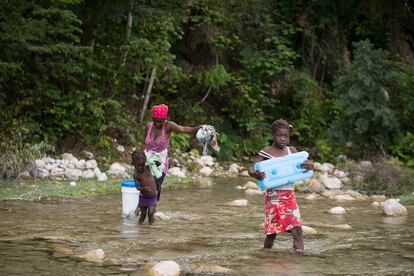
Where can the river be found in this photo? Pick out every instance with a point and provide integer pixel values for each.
(44, 239)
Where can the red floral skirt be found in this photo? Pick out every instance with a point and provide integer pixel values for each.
(281, 211)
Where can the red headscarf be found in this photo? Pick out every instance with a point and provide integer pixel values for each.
(160, 111)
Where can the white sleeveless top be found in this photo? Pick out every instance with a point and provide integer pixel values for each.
(269, 156)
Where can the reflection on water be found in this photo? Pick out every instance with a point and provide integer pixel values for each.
(45, 239)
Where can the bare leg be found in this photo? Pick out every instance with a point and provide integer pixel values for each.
(298, 240)
(151, 213)
(136, 212)
(143, 215)
(268, 243)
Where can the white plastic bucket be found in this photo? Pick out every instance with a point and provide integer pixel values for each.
(130, 197)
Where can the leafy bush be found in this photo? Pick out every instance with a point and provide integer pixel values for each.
(404, 149)
(390, 177)
(16, 152)
(369, 93)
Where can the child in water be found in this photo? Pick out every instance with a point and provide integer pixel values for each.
(281, 210)
(145, 183)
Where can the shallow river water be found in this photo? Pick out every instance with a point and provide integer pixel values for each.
(44, 239)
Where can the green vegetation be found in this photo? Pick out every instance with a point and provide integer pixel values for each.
(82, 73)
(389, 177)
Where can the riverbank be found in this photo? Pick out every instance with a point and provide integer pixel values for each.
(49, 191)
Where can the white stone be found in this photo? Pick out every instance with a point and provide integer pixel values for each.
(91, 164)
(344, 197)
(57, 173)
(234, 168)
(238, 203)
(67, 156)
(88, 174)
(120, 148)
(393, 208)
(96, 255)
(238, 187)
(250, 185)
(72, 184)
(337, 210)
(253, 192)
(51, 166)
(378, 197)
(206, 171)
(102, 177)
(81, 164)
(176, 171)
(73, 174)
(63, 163)
(309, 231)
(42, 173)
(207, 160)
(117, 169)
(165, 268)
(244, 173)
(161, 216)
(330, 182)
(324, 168)
(375, 204)
(197, 161)
(338, 173)
(97, 172)
(312, 196)
(40, 163)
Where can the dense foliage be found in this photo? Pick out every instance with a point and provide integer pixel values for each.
(83, 72)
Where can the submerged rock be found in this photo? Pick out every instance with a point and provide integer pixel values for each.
(312, 196)
(253, 192)
(238, 203)
(393, 208)
(338, 210)
(161, 216)
(250, 185)
(93, 256)
(165, 268)
(208, 269)
(309, 231)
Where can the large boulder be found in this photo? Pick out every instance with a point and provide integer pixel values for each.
(393, 208)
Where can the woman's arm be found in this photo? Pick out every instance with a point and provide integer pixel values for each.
(145, 136)
(173, 127)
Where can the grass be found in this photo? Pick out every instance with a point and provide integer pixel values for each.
(407, 199)
(54, 190)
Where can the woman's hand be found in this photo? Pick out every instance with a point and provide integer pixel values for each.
(307, 165)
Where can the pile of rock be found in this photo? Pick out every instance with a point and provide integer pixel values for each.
(66, 167)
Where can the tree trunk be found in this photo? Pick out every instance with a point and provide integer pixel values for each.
(147, 94)
(128, 31)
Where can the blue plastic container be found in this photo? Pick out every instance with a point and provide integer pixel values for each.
(283, 170)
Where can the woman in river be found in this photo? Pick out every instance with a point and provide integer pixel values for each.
(281, 210)
(157, 138)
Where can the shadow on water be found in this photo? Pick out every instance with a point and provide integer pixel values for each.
(47, 239)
